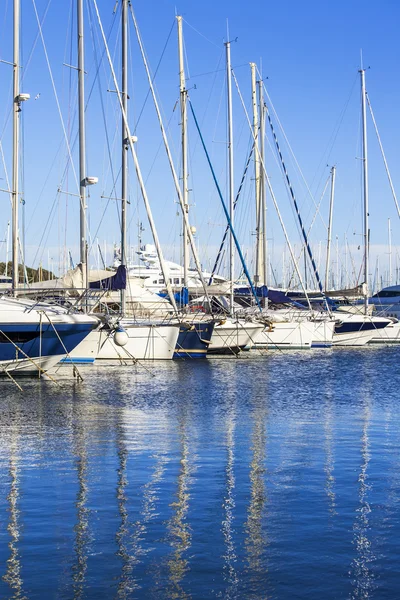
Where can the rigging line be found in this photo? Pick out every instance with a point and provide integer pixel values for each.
(35, 42)
(70, 125)
(303, 231)
(335, 133)
(267, 179)
(138, 171)
(221, 248)
(290, 149)
(26, 67)
(225, 209)
(170, 160)
(56, 96)
(97, 78)
(312, 223)
(216, 71)
(40, 250)
(155, 72)
(201, 34)
(210, 95)
(383, 154)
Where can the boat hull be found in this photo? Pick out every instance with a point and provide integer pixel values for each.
(290, 335)
(233, 336)
(194, 340)
(38, 346)
(357, 330)
(145, 342)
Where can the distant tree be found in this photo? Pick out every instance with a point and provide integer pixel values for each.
(34, 275)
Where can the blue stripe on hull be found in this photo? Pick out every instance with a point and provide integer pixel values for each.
(41, 341)
(321, 345)
(77, 361)
(354, 327)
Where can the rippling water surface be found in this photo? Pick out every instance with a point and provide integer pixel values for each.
(271, 477)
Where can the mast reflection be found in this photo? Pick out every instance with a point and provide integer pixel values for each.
(256, 540)
(363, 578)
(178, 527)
(230, 556)
(13, 571)
(130, 536)
(81, 528)
(330, 458)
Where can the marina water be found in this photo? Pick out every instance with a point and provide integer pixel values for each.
(265, 476)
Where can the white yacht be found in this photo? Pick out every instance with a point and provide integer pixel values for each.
(36, 336)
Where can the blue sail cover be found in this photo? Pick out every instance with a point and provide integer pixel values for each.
(181, 297)
(261, 292)
(278, 297)
(114, 283)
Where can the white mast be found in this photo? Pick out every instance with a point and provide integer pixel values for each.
(365, 186)
(124, 167)
(263, 207)
(171, 163)
(16, 111)
(390, 253)
(183, 99)
(7, 247)
(328, 245)
(82, 142)
(230, 161)
(137, 168)
(257, 274)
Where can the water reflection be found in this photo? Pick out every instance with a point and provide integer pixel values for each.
(13, 571)
(329, 455)
(256, 540)
(122, 514)
(361, 572)
(179, 531)
(125, 585)
(228, 531)
(81, 528)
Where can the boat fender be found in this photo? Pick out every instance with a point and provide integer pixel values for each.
(120, 337)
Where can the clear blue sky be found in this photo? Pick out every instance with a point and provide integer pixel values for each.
(310, 53)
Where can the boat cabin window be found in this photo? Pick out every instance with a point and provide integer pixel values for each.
(387, 294)
(176, 281)
(161, 281)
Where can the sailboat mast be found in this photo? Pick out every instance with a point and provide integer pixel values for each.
(390, 277)
(328, 245)
(263, 211)
(124, 167)
(365, 186)
(82, 142)
(183, 102)
(15, 174)
(257, 273)
(230, 162)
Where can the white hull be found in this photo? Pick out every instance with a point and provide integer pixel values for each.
(287, 335)
(358, 337)
(86, 352)
(145, 342)
(389, 335)
(29, 366)
(323, 334)
(233, 335)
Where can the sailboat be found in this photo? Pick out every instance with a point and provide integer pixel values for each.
(124, 338)
(33, 336)
(356, 328)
